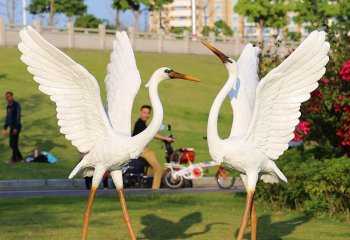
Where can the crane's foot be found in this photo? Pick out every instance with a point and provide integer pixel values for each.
(246, 214)
(88, 213)
(127, 219)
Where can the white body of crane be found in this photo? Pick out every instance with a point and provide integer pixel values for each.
(104, 137)
(265, 112)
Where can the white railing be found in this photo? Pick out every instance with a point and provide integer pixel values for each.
(102, 38)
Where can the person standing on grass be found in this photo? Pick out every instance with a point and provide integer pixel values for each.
(148, 155)
(13, 121)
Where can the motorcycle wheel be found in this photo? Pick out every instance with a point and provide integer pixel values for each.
(170, 183)
(225, 179)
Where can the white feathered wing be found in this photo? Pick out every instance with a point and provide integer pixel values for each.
(75, 91)
(242, 96)
(122, 84)
(281, 92)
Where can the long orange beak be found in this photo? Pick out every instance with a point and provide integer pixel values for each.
(183, 76)
(222, 56)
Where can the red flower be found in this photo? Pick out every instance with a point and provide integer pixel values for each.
(337, 107)
(325, 80)
(301, 131)
(345, 71)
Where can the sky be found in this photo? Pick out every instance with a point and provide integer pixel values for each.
(99, 8)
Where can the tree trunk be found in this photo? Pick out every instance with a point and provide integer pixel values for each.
(117, 21)
(52, 12)
(13, 11)
(137, 20)
(160, 18)
(261, 26)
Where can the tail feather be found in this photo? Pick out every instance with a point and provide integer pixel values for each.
(77, 168)
(279, 172)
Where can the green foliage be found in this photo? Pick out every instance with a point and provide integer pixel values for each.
(70, 8)
(294, 36)
(206, 30)
(221, 27)
(178, 30)
(87, 21)
(314, 185)
(315, 12)
(264, 12)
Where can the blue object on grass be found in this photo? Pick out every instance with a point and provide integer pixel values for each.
(50, 157)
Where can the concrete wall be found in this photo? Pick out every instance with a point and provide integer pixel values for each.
(81, 38)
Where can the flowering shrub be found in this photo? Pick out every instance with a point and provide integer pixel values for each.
(345, 71)
(325, 118)
(301, 131)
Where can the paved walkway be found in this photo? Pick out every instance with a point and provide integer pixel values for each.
(110, 192)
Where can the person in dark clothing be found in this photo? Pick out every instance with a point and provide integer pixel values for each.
(13, 121)
(148, 155)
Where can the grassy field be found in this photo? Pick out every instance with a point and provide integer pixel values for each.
(183, 216)
(186, 106)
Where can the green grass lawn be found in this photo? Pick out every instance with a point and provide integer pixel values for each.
(186, 107)
(184, 216)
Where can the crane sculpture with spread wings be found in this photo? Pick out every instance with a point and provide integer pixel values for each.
(265, 113)
(106, 138)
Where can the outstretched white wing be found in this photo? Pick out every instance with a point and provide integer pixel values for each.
(75, 91)
(122, 83)
(242, 96)
(281, 92)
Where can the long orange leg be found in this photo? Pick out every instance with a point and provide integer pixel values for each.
(253, 222)
(117, 177)
(127, 219)
(88, 212)
(248, 207)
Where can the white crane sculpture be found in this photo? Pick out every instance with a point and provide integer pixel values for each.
(265, 113)
(105, 138)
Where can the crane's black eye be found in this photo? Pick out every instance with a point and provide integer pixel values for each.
(168, 71)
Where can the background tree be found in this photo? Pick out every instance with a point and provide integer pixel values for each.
(157, 5)
(87, 21)
(221, 27)
(134, 6)
(10, 8)
(314, 13)
(70, 8)
(264, 13)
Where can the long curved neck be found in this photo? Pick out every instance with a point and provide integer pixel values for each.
(148, 134)
(212, 128)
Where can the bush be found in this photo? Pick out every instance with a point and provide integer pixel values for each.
(314, 185)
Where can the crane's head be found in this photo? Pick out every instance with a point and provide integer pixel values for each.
(166, 73)
(230, 64)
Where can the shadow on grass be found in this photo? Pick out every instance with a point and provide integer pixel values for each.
(159, 228)
(275, 231)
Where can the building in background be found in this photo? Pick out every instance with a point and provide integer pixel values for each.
(178, 15)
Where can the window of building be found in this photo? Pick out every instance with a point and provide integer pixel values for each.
(235, 19)
(291, 19)
(249, 29)
(266, 38)
(266, 30)
(234, 1)
(235, 29)
(291, 29)
(218, 18)
(180, 18)
(218, 8)
(180, 8)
